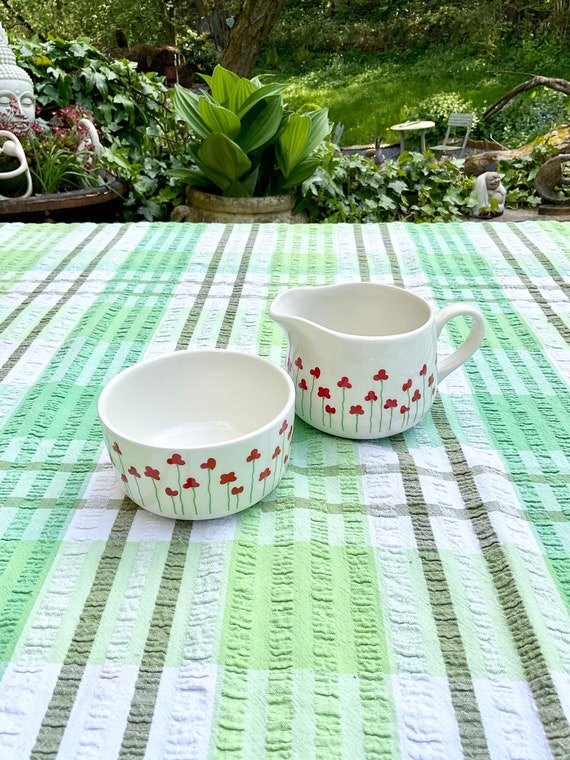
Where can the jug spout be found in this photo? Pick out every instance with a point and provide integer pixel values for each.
(289, 310)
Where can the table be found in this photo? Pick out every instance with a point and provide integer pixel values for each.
(401, 598)
(413, 126)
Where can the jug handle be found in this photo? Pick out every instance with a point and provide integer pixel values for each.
(471, 342)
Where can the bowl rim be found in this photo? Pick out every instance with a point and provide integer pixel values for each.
(108, 388)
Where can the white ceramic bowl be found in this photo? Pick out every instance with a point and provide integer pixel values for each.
(200, 433)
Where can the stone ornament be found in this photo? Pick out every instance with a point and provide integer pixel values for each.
(15, 83)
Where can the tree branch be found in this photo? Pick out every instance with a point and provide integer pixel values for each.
(561, 85)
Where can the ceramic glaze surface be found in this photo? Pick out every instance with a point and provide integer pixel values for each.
(363, 356)
(199, 433)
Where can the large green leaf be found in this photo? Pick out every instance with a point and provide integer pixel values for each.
(220, 159)
(302, 171)
(219, 119)
(320, 128)
(222, 82)
(293, 140)
(261, 93)
(187, 108)
(240, 93)
(260, 125)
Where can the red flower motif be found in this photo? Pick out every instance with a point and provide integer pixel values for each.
(116, 448)
(285, 458)
(371, 396)
(228, 477)
(417, 395)
(124, 478)
(404, 409)
(391, 403)
(356, 409)
(283, 427)
(381, 375)
(344, 382)
(323, 392)
(170, 492)
(276, 452)
(209, 464)
(407, 385)
(134, 471)
(265, 474)
(430, 380)
(303, 384)
(290, 433)
(299, 362)
(191, 483)
(253, 454)
(423, 370)
(330, 409)
(315, 372)
(150, 472)
(175, 459)
(236, 490)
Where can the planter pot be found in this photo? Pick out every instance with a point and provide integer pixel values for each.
(206, 207)
(94, 204)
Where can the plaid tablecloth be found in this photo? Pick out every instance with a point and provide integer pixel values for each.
(401, 598)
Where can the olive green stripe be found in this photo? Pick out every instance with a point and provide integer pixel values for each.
(553, 318)
(392, 256)
(453, 652)
(145, 693)
(24, 345)
(234, 299)
(361, 254)
(65, 692)
(522, 631)
(200, 300)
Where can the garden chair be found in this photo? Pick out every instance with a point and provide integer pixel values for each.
(451, 142)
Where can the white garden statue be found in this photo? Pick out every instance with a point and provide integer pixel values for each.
(16, 87)
(491, 195)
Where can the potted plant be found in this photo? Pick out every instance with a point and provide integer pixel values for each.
(248, 149)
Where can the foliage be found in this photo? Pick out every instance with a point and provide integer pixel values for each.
(529, 115)
(246, 143)
(413, 188)
(132, 111)
(52, 151)
(198, 51)
(519, 175)
(438, 107)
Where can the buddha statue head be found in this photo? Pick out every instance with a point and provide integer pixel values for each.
(16, 88)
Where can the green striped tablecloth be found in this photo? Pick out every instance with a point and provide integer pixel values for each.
(401, 598)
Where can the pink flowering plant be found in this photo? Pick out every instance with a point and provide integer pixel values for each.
(59, 154)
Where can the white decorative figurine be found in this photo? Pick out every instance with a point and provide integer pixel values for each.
(489, 188)
(16, 87)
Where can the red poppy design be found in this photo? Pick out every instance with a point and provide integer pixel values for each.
(330, 409)
(299, 362)
(371, 396)
(175, 459)
(404, 409)
(391, 403)
(276, 452)
(265, 474)
(283, 427)
(430, 380)
(356, 409)
(253, 454)
(191, 483)
(407, 385)
(290, 433)
(134, 471)
(423, 370)
(303, 385)
(417, 395)
(227, 477)
(381, 375)
(209, 464)
(323, 392)
(116, 448)
(344, 382)
(150, 472)
(285, 458)
(315, 372)
(124, 478)
(170, 492)
(236, 490)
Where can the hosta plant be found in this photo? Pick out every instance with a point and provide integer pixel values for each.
(244, 140)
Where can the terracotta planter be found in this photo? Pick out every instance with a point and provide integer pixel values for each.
(206, 207)
(94, 204)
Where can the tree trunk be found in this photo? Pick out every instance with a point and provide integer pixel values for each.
(255, 21)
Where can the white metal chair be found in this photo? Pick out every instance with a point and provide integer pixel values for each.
(451, 143)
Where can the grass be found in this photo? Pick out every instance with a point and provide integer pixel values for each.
(367, 93)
